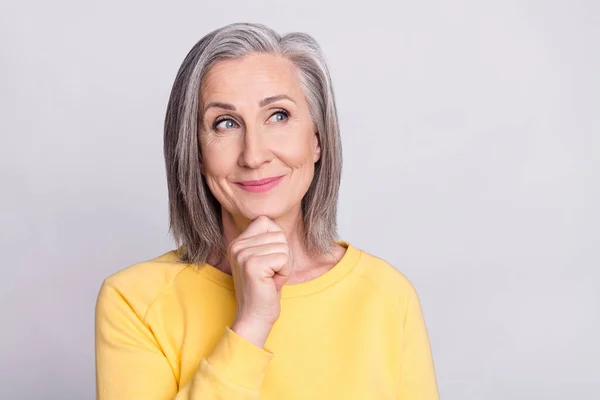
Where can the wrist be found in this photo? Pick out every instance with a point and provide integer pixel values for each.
(256, 332)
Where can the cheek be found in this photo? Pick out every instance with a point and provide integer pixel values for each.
(297, 152)
(218, 157)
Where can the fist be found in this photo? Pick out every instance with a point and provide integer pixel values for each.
(261, 263)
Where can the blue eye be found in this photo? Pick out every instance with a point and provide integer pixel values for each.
(225, 124)
(279, 116)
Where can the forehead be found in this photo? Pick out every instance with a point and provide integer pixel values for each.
(250, 78)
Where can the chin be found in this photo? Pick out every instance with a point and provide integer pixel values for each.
(253, 211)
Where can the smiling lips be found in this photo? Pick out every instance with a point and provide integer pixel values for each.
(261, 185)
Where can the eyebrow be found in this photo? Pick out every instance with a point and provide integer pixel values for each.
(262, 103)
(273, 99)
(218, 104)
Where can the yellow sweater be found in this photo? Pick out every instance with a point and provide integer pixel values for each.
(355, 332)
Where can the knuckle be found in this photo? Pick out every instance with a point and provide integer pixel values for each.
(281, 237)
(251, 262)
(234, 247)
(237, 248)
(285, 257)
(262, 220)
(243, 254)
(282, 248)
(279, 258)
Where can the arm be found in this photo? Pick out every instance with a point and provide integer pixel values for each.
(130, 364)
(418, 379)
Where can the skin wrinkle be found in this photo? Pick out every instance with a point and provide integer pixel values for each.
(262, 103)
(259, 147)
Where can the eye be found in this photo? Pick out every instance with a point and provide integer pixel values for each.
(225, 124)
(279, 116)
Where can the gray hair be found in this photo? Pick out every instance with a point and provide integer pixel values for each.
(194, 213)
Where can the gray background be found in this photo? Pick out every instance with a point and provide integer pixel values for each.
(471, 142)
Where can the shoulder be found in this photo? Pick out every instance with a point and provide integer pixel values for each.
(386, 279)
(139, 284)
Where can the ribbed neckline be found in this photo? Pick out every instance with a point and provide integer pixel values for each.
(337, 272)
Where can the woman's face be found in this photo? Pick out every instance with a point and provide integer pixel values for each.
(257, 139)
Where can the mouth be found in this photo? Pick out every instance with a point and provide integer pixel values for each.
(260, 185)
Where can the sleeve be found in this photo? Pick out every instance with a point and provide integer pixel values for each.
(131, 366)
(418, 380)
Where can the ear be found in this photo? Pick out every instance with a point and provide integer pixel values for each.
(317, 147)
(202, 169)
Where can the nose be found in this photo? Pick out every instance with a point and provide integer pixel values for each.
(255, 149)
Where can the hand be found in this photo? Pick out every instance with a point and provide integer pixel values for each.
(260, 262)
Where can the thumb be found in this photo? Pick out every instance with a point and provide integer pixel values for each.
(283, 275)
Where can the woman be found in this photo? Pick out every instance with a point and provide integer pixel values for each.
(259, 301)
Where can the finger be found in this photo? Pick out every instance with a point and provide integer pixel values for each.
(261, 250)
(285, 270)
(262, 224)
(269, 265)
(240, 245)
(260, 239)
(282, 275)
(279, 281)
